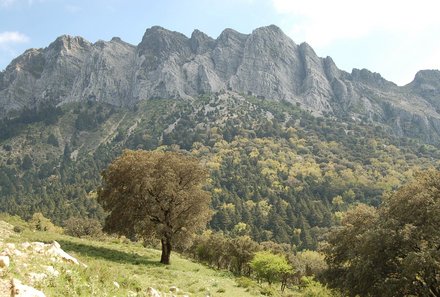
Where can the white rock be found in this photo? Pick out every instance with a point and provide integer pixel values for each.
(54, 251)
(153, 292)
(18, 253)
(4, 261)
(37, 277)
(51, 270)
(38, 247)
(174, 289)
(10, 246)
(20, 290)
(56, 244)
(116, 285)
(25, 245)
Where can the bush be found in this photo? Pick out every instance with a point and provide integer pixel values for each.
(244, 282)
(313, 288)
(79, 227)
(40, 223)
(18, 229)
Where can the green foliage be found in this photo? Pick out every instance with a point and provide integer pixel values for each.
(392, 250)
(313, 288)
(52, 140)
(274, 168)
(41, 223)
(270, 267)
(308, 263)
(81, 227)
(155, 194)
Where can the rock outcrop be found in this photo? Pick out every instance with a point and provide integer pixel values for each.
(28, 253)
(265, 63)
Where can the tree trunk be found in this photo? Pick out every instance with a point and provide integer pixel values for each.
(166, 251)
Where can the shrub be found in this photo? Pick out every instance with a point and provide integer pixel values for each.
(18, 229)
(41, 223)
(244, 282)
(82, 227)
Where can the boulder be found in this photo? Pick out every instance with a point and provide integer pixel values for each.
(20, 290)
(153, 292)
(55, 250)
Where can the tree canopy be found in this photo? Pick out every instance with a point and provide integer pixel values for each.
(156, 194)
(393, 250)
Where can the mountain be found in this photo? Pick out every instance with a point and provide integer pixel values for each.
(290, 140)
(265, 63)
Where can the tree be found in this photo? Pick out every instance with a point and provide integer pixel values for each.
(393, 250)
(270, 267)
(27, 163)
(155, 194)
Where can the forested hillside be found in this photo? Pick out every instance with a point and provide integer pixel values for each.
(277, 172)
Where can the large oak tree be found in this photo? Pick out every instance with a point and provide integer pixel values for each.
(393, 250)
(156, 194)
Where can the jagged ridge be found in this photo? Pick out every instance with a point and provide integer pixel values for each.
(266, 63)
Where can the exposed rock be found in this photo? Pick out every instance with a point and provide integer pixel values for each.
(116, 284)
(174, 289)
(168, 64)
(38, 247)
(36, 277)
(20, 290)
(25, 245)
(4, 261)
(153, 292)
(55, 250)
(52, 271)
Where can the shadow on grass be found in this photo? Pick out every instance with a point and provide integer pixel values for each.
(107, 254)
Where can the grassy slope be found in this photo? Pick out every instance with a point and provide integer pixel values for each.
(132, 266)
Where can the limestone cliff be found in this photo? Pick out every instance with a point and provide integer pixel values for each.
(265, 63)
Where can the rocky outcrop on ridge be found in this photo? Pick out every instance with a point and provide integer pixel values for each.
(265, 63)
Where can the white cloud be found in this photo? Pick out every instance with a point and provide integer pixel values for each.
(7, 38)
(321, 22)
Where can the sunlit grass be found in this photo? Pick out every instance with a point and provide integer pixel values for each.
(133, 267)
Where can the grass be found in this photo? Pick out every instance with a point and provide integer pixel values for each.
(133, 267)
(115, 267)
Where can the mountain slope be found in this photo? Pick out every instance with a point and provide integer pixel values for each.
(265, 63)
(275, 168)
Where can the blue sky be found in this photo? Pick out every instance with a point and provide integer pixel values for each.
(394, 38)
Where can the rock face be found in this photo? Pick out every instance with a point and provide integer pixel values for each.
(168, 64)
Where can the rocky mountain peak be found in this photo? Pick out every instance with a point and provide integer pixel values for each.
(270, 30)
(230, 37)
(373, 79)
(168, 64)
(200, 42)
(429, 79)
(158, 39)
(68, 43)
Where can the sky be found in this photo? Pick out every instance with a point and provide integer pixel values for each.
(391, 37)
